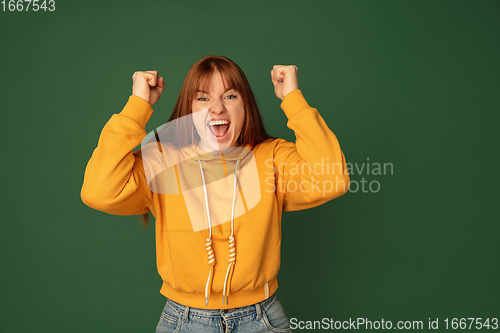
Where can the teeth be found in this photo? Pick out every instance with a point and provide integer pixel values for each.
(218, 122)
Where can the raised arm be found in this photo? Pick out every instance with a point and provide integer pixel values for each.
(114, 180)
(313, 170)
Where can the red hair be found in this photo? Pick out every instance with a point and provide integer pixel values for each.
(199, 77)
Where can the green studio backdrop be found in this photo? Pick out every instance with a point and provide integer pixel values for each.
(409, 85)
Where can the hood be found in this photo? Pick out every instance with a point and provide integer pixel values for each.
(195, 153)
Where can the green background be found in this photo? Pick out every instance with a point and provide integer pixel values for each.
(412, 83)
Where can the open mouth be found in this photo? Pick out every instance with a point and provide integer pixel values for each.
(219, 128)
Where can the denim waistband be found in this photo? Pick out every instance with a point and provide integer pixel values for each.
(245, 310)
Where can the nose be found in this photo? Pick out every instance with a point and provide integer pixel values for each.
(217, 106)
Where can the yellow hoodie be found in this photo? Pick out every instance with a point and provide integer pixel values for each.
(224, 211)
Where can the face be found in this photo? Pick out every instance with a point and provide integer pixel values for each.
(224, 114)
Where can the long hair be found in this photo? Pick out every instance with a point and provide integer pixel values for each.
(199, 76)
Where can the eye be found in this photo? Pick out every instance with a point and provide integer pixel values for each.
(231, 96)
(202, 99)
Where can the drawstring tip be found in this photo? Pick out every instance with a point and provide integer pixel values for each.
(206, 303)
(227, 300)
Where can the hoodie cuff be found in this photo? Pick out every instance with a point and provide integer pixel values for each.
(293, 103)
(137, 109)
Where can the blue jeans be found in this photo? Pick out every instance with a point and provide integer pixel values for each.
(265, 316)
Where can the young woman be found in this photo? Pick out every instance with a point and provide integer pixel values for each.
(217, 185)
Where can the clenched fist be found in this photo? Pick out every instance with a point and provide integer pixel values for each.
(147, 86)
(284, 79)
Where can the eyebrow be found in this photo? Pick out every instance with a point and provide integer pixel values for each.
(203, 91)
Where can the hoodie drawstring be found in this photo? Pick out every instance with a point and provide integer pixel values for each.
(210, 251)
(232, 245)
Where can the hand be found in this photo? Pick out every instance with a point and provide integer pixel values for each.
(147, 86)
(284, 79)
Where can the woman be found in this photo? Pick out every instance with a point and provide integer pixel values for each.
(217, 185)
